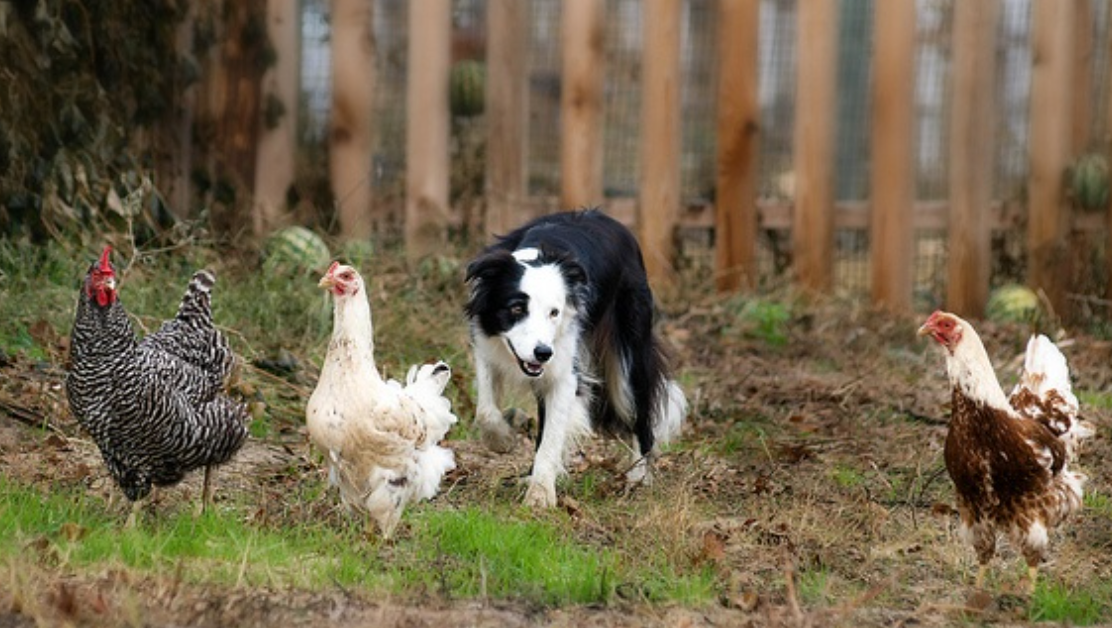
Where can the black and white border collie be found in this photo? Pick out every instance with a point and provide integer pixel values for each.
(562, 305)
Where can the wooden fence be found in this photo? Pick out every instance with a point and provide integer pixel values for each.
(1057, 132)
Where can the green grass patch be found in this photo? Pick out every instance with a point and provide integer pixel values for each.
(462, 554)
(847, 477)
(72, 530)
(761, 319)
(1097, 503)
(814, 587)
(1056, 602)
(1095, 399)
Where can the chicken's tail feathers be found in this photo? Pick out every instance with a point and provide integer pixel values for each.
(432, 464)
(425, 384)
(431, 377)
(197, 300)
(1045, 369)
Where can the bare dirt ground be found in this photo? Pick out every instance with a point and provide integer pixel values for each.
(809, 476)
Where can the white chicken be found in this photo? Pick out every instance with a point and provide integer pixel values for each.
(381, 439)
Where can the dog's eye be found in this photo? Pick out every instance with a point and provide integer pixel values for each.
(553, 313)
(517, 310)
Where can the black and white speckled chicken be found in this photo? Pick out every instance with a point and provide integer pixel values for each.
(156, 407)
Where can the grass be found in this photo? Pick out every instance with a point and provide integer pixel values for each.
(465, 553)
(1056, 602)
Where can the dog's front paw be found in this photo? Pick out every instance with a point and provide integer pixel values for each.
(540, 494)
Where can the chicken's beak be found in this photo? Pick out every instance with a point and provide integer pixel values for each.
(326, 282)
(925, 329)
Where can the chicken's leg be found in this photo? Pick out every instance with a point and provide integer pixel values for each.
(206, 492)
(980, 581)
(1032, 578)
(137, 507)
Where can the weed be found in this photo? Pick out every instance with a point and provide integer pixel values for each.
(763, 320)
(814, 587)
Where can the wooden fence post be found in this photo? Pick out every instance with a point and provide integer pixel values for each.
(350, 145)
(581, 49)
(660, 139)
(1107, 150)
(813, 222)
(274, 159)
(893, 153)
(972, 157)
(506, 112)
(427, 115)
(1049, 146)
(736, 177)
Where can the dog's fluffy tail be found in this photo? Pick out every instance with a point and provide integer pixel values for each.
(670, 413)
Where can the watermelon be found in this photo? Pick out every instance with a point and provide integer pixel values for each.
(466, 85)
(1089, 182)
(1012, 303)
(296, 250)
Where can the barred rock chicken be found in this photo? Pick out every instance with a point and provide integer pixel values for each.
(381, 439)
(1009, 456)
(155, 407)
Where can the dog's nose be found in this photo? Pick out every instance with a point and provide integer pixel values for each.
(543, 353)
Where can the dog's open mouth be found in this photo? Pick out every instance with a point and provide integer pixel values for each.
(532, 369)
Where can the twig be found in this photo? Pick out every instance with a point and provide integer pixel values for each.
(28, 417)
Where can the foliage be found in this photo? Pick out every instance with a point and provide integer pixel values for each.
(80, 79)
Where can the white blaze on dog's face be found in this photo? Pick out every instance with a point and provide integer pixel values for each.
(540, 316)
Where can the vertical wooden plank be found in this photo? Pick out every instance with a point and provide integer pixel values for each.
(1107, 150)
(351, 137)
(581, 43)
(972, 155)
(274, 159)
(506, 111)
(427, 115)
(1082, 76)
(175, 169)
(893, 144)
(813, 222)
(738, 123)
(660, 139)
(1050, 146)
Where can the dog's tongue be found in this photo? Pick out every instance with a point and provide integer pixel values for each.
(533, 368)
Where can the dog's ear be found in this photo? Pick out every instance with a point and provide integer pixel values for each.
(489, 265)
(574, 273)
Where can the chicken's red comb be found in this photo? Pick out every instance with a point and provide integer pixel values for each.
(104, 259)
(332, 268)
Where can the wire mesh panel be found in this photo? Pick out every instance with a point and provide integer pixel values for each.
(624, 32)
(776, 95)
(851, 157)
(698, 69)
(544, 98)
(391, 29)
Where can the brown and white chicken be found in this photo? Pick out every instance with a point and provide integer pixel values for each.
(1009, 456)
(381, 439)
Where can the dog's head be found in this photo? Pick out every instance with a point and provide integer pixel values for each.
(528, 298)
